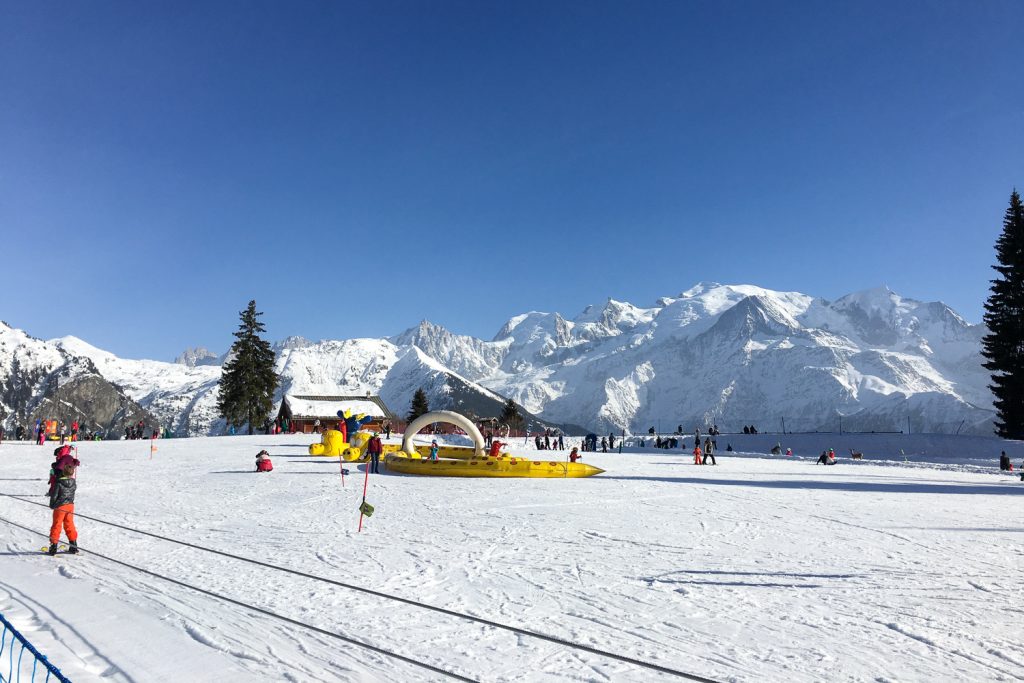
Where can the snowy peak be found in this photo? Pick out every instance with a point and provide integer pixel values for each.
(466, 355)
(198, 356)
(755, 316)
(612, 319)
(292, 342)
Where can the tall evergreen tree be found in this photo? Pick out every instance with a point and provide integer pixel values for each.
(248, 381)
(419, 406)
(1003, 346)
(510, 414)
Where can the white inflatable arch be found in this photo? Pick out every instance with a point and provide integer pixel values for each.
(443, 416)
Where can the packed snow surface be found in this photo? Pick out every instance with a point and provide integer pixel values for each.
(757, 569)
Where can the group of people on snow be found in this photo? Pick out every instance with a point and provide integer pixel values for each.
(551, 439)
(701, 455)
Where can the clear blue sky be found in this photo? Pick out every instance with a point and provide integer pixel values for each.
(358, 166)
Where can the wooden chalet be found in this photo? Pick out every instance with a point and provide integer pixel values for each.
(302, 412)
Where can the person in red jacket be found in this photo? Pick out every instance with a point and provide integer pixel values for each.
(374, 448)
(74, 431)
(495, 448)
(263, 463)
(697, 460)
(574, 455)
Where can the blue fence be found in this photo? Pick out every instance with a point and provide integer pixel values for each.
(14, 668)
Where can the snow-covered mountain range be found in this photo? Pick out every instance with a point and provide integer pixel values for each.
(730, 355)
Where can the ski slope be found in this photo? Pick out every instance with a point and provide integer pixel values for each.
(758, 569)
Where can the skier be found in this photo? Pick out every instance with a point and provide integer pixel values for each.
(374, 448)
(62, 502)
(696, 455)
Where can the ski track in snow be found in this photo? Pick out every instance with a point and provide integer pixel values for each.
(723, 579)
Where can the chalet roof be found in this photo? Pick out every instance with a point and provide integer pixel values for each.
(329, 406)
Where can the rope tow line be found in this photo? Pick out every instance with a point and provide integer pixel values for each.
(441, 610)
(275, 615)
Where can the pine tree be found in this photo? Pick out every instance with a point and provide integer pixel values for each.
(419, 406)
(248, 381)
(510, 414)
(1003, 346)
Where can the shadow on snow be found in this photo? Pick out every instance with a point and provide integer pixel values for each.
(1000, 489)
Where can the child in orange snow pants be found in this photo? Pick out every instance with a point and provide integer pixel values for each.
(62, 502)
(64, 517)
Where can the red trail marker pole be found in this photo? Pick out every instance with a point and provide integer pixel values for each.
(366, 482)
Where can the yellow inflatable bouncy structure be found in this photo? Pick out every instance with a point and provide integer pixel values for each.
(462, 461)
(332, 444)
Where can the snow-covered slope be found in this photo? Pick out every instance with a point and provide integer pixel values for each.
(792, 573)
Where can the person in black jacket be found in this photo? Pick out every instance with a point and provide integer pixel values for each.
(62, 502)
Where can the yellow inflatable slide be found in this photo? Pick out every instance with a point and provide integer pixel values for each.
(462, 461)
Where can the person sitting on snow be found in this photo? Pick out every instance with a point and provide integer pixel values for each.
(263, 463)
(823, 458)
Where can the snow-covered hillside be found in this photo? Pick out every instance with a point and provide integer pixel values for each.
(730, 355)
(41, 380)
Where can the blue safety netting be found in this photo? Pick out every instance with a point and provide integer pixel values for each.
(15, 668)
